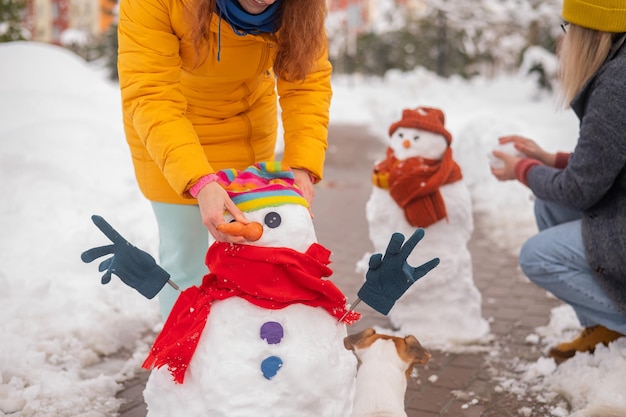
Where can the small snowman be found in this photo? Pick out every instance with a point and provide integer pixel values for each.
(264, 332)
(419, 184)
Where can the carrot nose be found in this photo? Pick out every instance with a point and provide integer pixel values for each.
(251, 231)
(406, 143)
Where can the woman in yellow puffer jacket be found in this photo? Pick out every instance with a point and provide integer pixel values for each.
(201, 81)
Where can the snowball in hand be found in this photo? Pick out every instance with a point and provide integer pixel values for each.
(509, 148)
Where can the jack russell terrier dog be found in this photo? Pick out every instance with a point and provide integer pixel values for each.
(384, 365)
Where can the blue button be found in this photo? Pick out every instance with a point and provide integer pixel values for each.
(270, 366)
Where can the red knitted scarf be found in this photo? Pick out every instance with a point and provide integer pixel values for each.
(271, 278)
(414, 185)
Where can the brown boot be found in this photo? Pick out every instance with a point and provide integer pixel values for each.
(585, 342)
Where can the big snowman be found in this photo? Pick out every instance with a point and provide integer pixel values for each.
(419, 184)
(263, 334)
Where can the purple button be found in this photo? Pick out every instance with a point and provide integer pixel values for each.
(272, 332)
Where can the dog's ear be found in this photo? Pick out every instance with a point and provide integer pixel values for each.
(415, 351)
(350, 342)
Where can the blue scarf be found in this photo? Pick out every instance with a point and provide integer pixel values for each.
(244, 23)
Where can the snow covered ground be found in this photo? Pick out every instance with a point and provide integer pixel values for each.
(63, 157)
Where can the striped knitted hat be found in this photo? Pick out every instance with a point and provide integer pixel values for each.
(265, 184)
(603, 15)
(423, 118)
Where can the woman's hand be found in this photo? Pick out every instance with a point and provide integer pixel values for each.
(214, 201)
(507, 172)
(303, 181)
(529, 148)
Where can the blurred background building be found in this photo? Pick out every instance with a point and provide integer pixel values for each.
(366, 37)
(48, 20)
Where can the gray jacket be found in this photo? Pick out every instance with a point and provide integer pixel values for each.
(594, 180)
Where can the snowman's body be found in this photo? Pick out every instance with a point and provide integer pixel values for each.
(446, 306)
(252, 361)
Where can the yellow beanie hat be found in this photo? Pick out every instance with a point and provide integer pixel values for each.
(603, 15)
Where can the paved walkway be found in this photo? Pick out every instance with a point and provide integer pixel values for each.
(452, 384)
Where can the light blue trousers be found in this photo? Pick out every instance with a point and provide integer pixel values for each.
(555, 260)
(183, 243)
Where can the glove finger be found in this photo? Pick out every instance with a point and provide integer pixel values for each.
(411, 242)
(375, 260)
(107, 229)
(429, 265)
(94, 253)
(106, 278)
(416, 273)
(395, 243)
(106, 264)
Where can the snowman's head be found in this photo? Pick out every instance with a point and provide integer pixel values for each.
(408, 143)
(420, 132)
(267, 194)
(284, 226)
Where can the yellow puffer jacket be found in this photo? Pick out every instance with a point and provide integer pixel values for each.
(183, 121)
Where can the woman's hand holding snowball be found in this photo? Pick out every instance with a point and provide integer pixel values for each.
(530, 148)
(506, 169)
(512, 149)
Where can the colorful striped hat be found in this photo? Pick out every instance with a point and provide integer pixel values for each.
(265, 184)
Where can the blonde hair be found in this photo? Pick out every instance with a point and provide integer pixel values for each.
(582, 52)
(301, 38)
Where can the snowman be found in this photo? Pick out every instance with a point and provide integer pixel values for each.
(262, 320)
(263, 334)
(419, 184)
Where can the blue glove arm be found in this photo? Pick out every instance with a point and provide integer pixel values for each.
(134, 267)
(390, 276)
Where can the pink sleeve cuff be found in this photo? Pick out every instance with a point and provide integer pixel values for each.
(561, 160)
(207, 179)
(523, 167)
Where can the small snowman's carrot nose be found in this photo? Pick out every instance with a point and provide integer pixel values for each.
(251, 231)
(406, 143)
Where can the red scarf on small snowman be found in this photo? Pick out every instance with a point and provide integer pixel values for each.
(414, 185)
(271, 278)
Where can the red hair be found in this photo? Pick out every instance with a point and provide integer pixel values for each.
(301, 38)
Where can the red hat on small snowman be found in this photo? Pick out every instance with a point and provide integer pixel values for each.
(423, 118)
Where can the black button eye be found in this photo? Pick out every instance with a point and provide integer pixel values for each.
(272, 220)
(416, 137)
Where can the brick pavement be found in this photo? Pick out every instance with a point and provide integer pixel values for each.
(453, 384)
